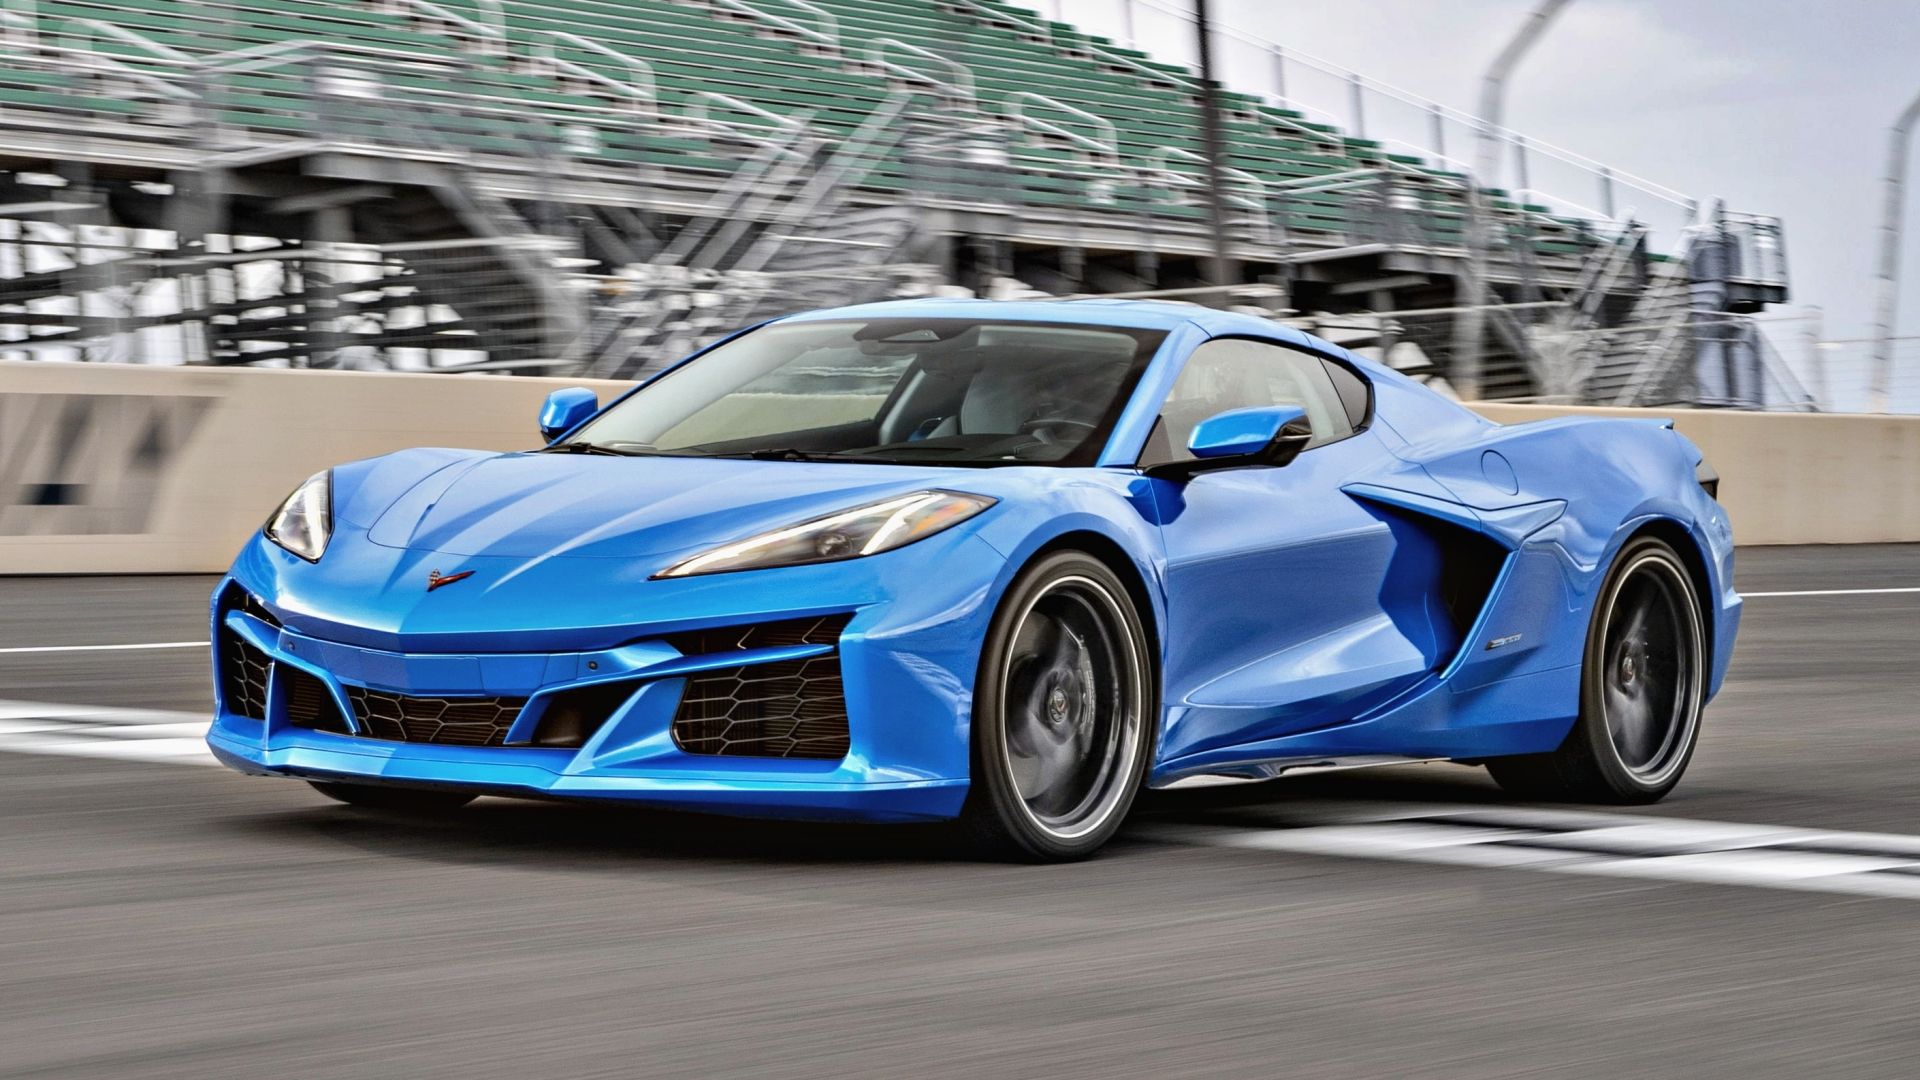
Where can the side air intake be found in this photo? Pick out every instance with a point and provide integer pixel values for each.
(1442, 577)
(785, 709)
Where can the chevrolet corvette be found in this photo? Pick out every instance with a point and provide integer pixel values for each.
(1005, 563)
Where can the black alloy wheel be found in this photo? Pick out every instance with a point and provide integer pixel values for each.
(1063, 712)
(1642, 689)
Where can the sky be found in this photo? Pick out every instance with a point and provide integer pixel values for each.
(1778, 106)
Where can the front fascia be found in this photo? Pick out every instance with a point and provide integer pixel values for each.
(908, 659)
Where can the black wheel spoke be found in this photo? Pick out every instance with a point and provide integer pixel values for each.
(1643, 684)
(1648, 687)
(1071, 706)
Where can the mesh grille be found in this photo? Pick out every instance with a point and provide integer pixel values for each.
(820, 630)
(309, 704)
(790, 709)
(243, 668)
(466, 721)
(243, 676)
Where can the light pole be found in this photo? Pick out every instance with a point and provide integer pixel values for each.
(1213, 146)
(1887, 280)
(1469, 330)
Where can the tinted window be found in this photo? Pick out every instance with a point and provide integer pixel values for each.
(1236, 373)
(1354, 392)
(934, 391)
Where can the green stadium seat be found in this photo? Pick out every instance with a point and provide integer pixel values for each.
(506, 94)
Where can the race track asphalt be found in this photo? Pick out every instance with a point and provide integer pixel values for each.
(175, 920)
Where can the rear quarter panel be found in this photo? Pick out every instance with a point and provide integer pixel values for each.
(1616, 478)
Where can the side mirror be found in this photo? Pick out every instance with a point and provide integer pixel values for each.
(565, 409)
(1267, 435)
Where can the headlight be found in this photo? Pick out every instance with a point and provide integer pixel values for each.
(849, 534)
(304, 522)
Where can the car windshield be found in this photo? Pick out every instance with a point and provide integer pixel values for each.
(903, 391)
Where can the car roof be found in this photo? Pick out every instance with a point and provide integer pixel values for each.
(1140, 314)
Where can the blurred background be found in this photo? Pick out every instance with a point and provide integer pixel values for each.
(243, 240)
(587, 188)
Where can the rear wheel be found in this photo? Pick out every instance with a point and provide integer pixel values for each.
(1062, 706)
(398, 800)
(1642, 690)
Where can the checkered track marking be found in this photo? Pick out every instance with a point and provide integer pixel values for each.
(150, 735)
(1572, 842)
(1493, 837)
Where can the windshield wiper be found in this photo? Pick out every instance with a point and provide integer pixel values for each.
(585, 448)
(785, 453)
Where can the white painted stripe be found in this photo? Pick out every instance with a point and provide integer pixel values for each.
(1569, 842)
(1883, 865)
(1832, 592)
(171, 751)
(105, 648)
(91, 714)
(94, 731)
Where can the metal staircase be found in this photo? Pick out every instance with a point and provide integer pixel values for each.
(513, 190)
(1641, 361)
(783, 234)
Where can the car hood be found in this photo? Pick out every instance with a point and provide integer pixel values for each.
(544, 505)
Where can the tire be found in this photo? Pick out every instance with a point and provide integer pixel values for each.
(398, 800)
(1643, 686)
(1063, 713)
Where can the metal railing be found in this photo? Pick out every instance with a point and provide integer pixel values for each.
(487, 34)
(1104, 148)
(958, 84)
(295, 97)
(642, 88)
(824, 34)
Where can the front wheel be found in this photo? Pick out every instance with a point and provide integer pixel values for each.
(397, 800)
(1642, 689)
(1062, 711)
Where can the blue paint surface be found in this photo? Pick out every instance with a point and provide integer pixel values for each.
(1297, 611)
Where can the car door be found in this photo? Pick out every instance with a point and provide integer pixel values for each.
(1275, 579)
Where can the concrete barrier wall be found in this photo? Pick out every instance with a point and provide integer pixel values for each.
(1795, 478)
(110, 468)
(122, 469)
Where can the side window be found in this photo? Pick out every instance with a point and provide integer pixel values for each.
(1237, 373)
(1355, 393)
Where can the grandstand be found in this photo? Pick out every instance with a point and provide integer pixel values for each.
(593, 186)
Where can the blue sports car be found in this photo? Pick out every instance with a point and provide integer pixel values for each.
(999, 562)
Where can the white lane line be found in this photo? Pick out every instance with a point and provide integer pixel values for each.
(1611, 845)
(105, 648)
(1491, 837)
(1831, 592)
(92, 731)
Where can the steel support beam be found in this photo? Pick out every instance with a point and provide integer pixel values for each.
(1470, 328)
(1887, 276)
(1213, 144)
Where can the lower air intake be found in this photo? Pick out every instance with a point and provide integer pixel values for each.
(243, 676)
(464, 721)
(309, 703)
(789, 709)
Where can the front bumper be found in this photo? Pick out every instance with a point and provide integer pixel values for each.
(551, 774)
(906, 658)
